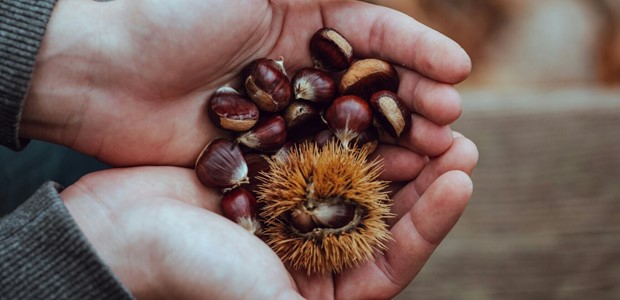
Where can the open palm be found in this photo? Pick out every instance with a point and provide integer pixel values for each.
(127, 81)
(163, 236)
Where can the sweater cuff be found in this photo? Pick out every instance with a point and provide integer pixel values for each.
(43, 254)
(22, 26)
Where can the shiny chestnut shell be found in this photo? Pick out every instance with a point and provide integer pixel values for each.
(391, 112)
(323, 137)
(229, 110)
(302, 119)
(314, 85)
(240, 206)
(267, 84)
(349, 112)
(347, 117)
(330, 50)
(239, 203)
(257, 163)
(266, 136)
(368, 76)
(322, 215)
(221, 165)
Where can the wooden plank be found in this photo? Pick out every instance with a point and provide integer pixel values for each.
(544, 221)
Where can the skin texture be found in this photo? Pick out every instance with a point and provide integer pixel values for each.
(127, 82)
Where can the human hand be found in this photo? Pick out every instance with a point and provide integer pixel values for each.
(158, 229)
(127, 81)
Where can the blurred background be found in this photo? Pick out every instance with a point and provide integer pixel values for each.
(543, 106)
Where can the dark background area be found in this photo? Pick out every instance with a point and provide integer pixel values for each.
(21, 173)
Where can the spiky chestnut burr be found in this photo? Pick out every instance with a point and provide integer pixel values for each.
(324, 208)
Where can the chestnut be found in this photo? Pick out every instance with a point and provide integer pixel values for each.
(314, 85)
(391, 112)
(257, 163)
(347, 117)
(229, 110)
(267, 136)
(330, 51)
(323, 137)
(267, 84)
(239, 206)
(368, 138)
(221, 165)
(368, 76)
(302, 119)
(284, 151)
(322, 215)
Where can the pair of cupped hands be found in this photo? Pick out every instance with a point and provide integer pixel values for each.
(127, 82)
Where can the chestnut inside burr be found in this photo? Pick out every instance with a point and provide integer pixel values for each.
(316, 217)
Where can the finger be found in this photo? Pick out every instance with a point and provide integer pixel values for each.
(414, 240)
(462, 156)
(376, 31)
(313, 286)
(426, 137)
(440, 103)
(398, 163)
(402, 201)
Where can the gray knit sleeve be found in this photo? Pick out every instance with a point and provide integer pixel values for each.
(22, 26)
(43, 254)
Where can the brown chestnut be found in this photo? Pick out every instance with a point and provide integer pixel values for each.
(314, 85)
(391, 112)
(323, 137)
(267, 136)
(322, 215)
(229, 110)
(239, 206)
(347, 117)
(257, 163)
(267, 84)
(330, 51)
(283, 153)
(302, 119)
(221, 165)
(368, 76)
(368, 138)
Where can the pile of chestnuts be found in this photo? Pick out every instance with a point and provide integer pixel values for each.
(340, 100)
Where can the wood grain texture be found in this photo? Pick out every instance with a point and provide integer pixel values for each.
(544, 220)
